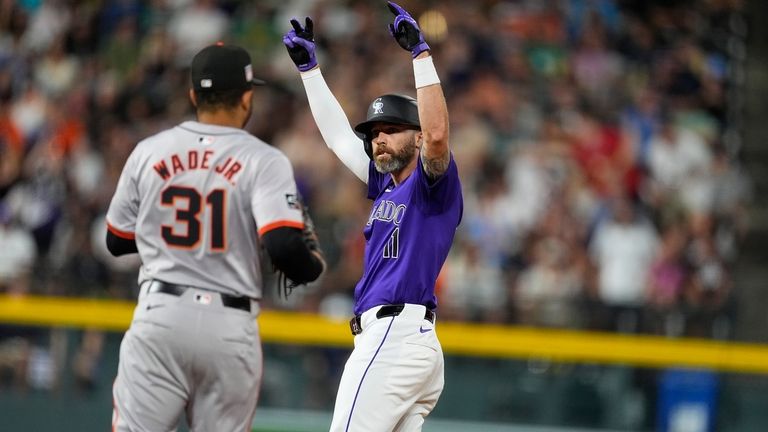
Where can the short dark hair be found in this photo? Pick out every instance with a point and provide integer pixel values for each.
(213, 101)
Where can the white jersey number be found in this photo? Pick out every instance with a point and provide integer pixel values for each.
(392, 248)
(188, 203)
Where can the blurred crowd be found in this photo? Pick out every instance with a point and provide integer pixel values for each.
(597, 143)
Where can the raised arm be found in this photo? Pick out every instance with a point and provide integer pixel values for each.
(433, 111)
(433, 115)
(326, 110)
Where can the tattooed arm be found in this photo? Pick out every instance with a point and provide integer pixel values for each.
(433, 116)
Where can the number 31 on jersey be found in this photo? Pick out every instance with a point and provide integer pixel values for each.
(189, 204)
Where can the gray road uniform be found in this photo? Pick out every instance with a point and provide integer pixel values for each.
(196, 198)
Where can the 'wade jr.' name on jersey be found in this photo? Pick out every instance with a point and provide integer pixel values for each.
(194, 160)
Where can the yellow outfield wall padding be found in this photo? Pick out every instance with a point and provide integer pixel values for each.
(112, 315)
(457, 338)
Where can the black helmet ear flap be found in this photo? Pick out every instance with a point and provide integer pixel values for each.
(367, 143)
(368, 147)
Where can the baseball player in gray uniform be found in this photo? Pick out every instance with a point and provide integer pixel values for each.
(394, 376)
(197, 202)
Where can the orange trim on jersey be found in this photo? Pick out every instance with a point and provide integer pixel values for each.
(279, 224)
(122, 234)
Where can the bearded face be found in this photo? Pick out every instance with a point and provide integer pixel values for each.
(395, 153)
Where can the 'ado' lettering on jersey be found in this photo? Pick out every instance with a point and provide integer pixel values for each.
(408, 235)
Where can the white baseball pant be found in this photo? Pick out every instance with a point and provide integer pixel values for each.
(394, 376)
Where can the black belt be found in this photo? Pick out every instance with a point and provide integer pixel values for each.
(237, 302)
(386, 311)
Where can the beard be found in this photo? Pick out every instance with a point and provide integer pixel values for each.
(396, 161)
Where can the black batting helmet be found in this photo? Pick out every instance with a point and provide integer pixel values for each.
(390, 108)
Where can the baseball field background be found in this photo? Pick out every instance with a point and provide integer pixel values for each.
(555, 105)
(501, 378)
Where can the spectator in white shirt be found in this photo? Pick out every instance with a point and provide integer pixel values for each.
(622, 251)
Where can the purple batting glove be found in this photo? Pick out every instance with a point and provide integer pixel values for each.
(406, 31)
(300, 43)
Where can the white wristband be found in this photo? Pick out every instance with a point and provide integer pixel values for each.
(310, 73)
(424, 72)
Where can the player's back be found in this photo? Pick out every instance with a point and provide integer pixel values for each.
(195, 185)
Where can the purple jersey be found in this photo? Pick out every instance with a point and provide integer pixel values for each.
(408, 236)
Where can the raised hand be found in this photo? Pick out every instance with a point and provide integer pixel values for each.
(406, 31)
(300, 43)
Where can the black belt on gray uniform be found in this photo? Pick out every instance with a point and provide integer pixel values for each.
(386, 311)
(237, 302)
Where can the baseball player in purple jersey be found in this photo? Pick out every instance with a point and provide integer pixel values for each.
(394, 376)
(197, 202)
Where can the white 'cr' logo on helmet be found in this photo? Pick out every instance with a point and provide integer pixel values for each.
(378, 106)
